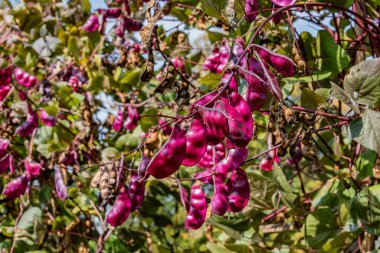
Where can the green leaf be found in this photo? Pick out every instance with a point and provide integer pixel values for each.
(211, 80)
(262, 190)
(312, 100)
(332, 57)
(86, 5)
(365, 163)
(215, 36)
(341, 95)
(229, 231)
(214, 8)
(327, 192)
(148, 122)
(320, 226)
(366, 130)
(316, 76)
(46, 46)
(109, 154)
(363, 82)
(72, 46)
(131, 77)
(216, 247)
(30, 216)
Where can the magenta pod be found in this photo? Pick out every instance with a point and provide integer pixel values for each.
(112, 13)
(25, 79)
(132, 25)
(255, 98)
(118, 122)
(136, 191)
(31, 123)
(243, 108)
(219, 202)
(5, 163)
(239, 191)
(205, 99)
(196, 142)
(121, 209)
(284, 65)
(60, 186)
(16, 187)
(184, 196)
(238, 132)
(5, 81)
(166, 129)
(47, 119)
(170, 157)
(178, 64)
(198, 207)
(207, 161)
(32, 168)
(250, 10)
(234, 159)
(144, 161)
(216, 123)
(283, 3)
(4, 144)
(92, 24)
(232, 85)
(132, 118)
(218, 59)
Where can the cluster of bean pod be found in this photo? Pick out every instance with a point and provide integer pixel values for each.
(215, 136)
(130, 122)
(125, 23)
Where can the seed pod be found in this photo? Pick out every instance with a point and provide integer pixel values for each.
(118, 122)
(284, 65)
(196, 142)
(283, 3)
(239, 194)
(132, 118)
(198, 207)
(216, 122)
(92, 24)
(178, 64)
(132, 25)
(255, 77)
(167, 129)
(219, 202)
(233, 160)
(29, 125)
(202, 101)
(232, 85)
(47, 119)
(184, 196)
(243, 108)
(25, 79)
(136, 191)
(32, 168)
(16, 187)
(5, 81)
(238, 132)
(170, 157)
(143, 165)
(74, 83)
(207, 161)
(5, 162)
(60, 187)
(250, 10)
(237, 51)
(121, 209)
(217, 61)
(111, 13)
(266, 163)
(4, 143)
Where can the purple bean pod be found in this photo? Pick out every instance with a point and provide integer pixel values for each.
(196, 142)
(60, 186)
(216, 123)
(16, 187)
(239, 191)
(219, 202)
(170, 157)
(118, 122)
(121, 209)
(136, 191)
(198, 207)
